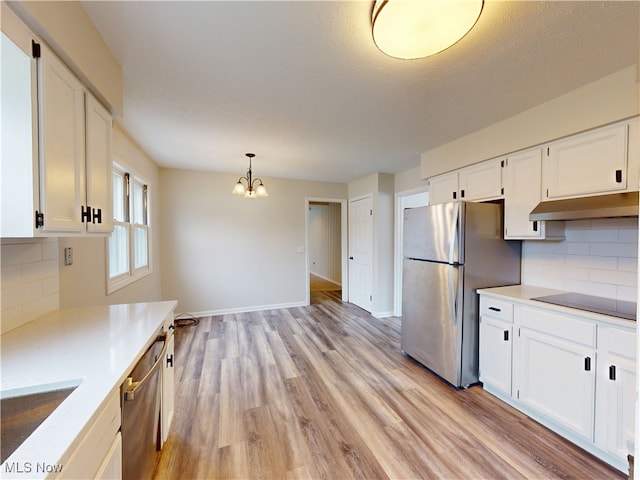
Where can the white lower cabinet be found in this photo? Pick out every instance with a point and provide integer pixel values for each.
(615, 411)
(496, 340)
(99, 453)
(555, 376)
(574, 374)
(168, 391)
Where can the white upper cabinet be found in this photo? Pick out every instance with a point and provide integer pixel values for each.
(481, 181)
(522, 175)
(62, 158)
(593, 162)
(443, 188)
(99, 127)
(56, 161)
(478, 182)
(18, 159)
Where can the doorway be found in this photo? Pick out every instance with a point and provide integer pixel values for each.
(326, 249)
(407, 199)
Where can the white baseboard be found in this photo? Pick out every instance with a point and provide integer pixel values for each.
(255, 308)
(382, 314)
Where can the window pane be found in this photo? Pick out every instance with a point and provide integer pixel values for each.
(119, 251)
(118, 197)
(140, 245)
(137, 204)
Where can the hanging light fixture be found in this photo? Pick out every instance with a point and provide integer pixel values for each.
(249, 191)
(420, 28)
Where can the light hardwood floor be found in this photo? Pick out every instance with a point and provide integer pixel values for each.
(325, 392)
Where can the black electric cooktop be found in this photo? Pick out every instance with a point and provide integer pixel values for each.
(606, 306)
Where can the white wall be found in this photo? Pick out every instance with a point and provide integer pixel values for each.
(614, 97)
(223, 253)
(84, 282)
(30, 284)
(325, 240)
(409, 180)
(598, 257)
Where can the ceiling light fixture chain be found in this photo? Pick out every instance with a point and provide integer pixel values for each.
(248, 190)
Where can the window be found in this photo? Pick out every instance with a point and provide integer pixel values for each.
(128, 245)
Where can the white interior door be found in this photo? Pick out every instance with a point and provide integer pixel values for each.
(361, 252)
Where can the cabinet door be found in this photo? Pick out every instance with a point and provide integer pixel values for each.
(168, 391)
(99, 166)
(589, 163)
(523, 172)
(482, 181)
(556, 378)
(443, 188)
(615, 414)
(61, 159)
(495, 353)
(111, 468)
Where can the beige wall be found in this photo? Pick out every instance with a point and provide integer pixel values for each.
(222, 253)
(67, 29)
(409, 180)
(614, 97)
(84, 282)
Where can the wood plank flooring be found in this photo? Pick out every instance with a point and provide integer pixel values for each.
(325, 392)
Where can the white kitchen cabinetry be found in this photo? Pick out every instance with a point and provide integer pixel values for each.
(99, 452)
(615, 413)
(593, 162)
(574, 374)
(168, 390)
(522, 183)
(75, 153)
(633, 160)
(443, 188)
(481, 181)
(478, 182)
(555, 368)
(57, 171)
(496, 339)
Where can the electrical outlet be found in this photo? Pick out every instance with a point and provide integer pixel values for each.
(68, 256)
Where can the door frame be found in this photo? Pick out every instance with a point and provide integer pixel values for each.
(400, 198)
(343, 245)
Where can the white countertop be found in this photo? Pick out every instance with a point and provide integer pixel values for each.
(525, 293)
(92, 347)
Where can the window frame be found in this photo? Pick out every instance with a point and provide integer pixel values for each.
(133, 274)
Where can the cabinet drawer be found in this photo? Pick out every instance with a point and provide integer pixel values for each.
(496, 308)
(619, 342)
(570, 328)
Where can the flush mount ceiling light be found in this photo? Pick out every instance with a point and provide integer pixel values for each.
(415, 29)
(249, 191)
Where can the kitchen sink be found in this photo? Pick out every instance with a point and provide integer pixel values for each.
(22, 413)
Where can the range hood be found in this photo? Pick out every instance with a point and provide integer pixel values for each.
(600, 206)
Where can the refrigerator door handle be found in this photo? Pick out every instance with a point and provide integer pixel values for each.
(453, 295)
(454, 231)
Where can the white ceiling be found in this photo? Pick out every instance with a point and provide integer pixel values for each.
(303, 86)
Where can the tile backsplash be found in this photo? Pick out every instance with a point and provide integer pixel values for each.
(30, 280)
(598, 257)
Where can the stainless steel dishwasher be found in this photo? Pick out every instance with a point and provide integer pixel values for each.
(141, 412)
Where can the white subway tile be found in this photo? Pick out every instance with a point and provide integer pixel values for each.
(21, 294)
(11, 276)
(627, 264)
(39, 270)
(41, 306)
(577, 225)
(50, 251)
(19, 254)
(628, 235)
(11, 318)
(51, 285)
(592, 288)
(614, 249)
(622, 222)
(625, 279)
(628, 294)
(577, 248)
(587, 261)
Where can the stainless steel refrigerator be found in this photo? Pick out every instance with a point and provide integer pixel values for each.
(450, 250)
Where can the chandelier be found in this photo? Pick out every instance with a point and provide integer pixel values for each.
(420, 28)
(248, 190)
